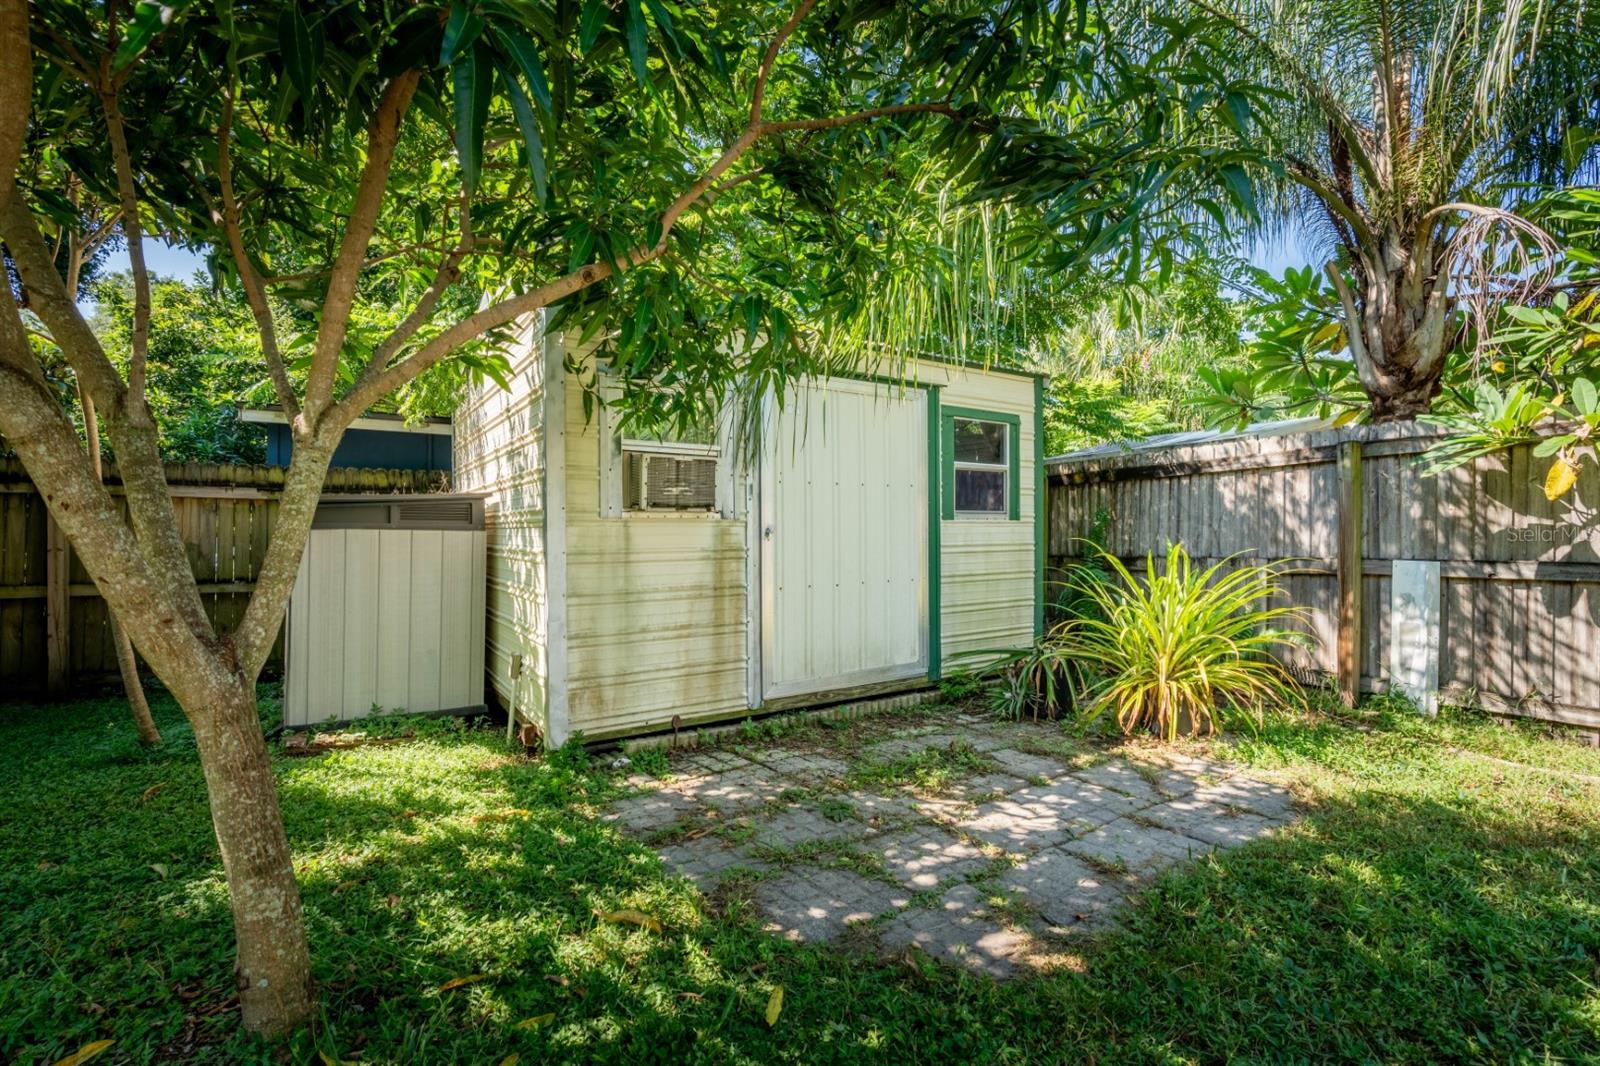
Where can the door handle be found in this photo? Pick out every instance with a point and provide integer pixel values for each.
(766, 534)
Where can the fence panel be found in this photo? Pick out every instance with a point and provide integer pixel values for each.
(225, 515)
(1519, 574)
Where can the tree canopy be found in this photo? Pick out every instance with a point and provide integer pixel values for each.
(394, 188)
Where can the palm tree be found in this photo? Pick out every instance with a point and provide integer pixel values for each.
(1407, 131)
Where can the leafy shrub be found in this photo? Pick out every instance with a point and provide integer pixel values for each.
(1179, 652)
(1185, 647)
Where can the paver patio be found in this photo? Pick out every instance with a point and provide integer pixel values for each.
(1035, 846)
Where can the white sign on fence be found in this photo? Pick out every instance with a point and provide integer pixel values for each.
(1414, 632)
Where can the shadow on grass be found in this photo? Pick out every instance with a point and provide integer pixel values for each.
(1392, 922)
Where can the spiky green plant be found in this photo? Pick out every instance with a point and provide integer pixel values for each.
(1184, 649)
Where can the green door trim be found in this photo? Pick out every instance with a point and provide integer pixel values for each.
(935, 567)
(1041, 509)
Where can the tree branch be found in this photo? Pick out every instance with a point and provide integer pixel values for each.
(254, 291)
(1326, 190)
(253, 638)
(128, 197)
(1365, 368)
(447, 276)
(16, 92)
(48, 298)
(759, 92)
(135, 437)
(383, 135)
(34, 423)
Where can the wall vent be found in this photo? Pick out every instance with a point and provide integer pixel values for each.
(410, 512)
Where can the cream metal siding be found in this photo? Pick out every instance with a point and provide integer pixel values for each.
(844, 500)
(500, 451)
(388, 620)
(655, 605)
(988, 566)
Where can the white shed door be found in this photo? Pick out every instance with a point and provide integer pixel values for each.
(844, 539)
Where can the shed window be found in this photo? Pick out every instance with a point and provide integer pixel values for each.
(980, 467)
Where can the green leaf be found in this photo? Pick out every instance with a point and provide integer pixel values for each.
(636, 40)
(593, 21)
(1550, 445)
(301, 50)
(472, 112)
(461, 31)
(1239, 187)
(526, 53)
(1585, 396)
(149, 18)
(582, 239)
(1238, 105)
(529, 124)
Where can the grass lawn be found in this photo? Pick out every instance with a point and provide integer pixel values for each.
(1440, 900)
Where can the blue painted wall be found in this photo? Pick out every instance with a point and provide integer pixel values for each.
(372, 449)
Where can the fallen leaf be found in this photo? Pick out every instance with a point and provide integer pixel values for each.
(160, 868)
(638, 918)
(85, 1053)
(145, 796)
(557, 979)
(510, 1060)
(457, 982)
(774, 1006)
(330, 1060)
(536, 1021)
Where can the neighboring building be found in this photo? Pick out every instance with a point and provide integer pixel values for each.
(887, 530)
(374, 441)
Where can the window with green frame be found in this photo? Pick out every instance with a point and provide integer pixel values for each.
(981, 463)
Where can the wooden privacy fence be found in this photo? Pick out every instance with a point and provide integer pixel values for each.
(53, 624)
(1519, 576)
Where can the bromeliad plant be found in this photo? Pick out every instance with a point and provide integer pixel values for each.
(1181, 651)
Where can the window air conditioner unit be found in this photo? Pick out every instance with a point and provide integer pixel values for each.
(656, 482)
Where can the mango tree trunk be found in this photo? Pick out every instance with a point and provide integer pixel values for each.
(273, 964)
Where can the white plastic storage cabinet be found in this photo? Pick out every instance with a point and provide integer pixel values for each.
(387, 613)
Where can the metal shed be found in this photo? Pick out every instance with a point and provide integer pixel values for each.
(642, 579)
(387, 612)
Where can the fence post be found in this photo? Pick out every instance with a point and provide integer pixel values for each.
(57, 605)
(1349, 505)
